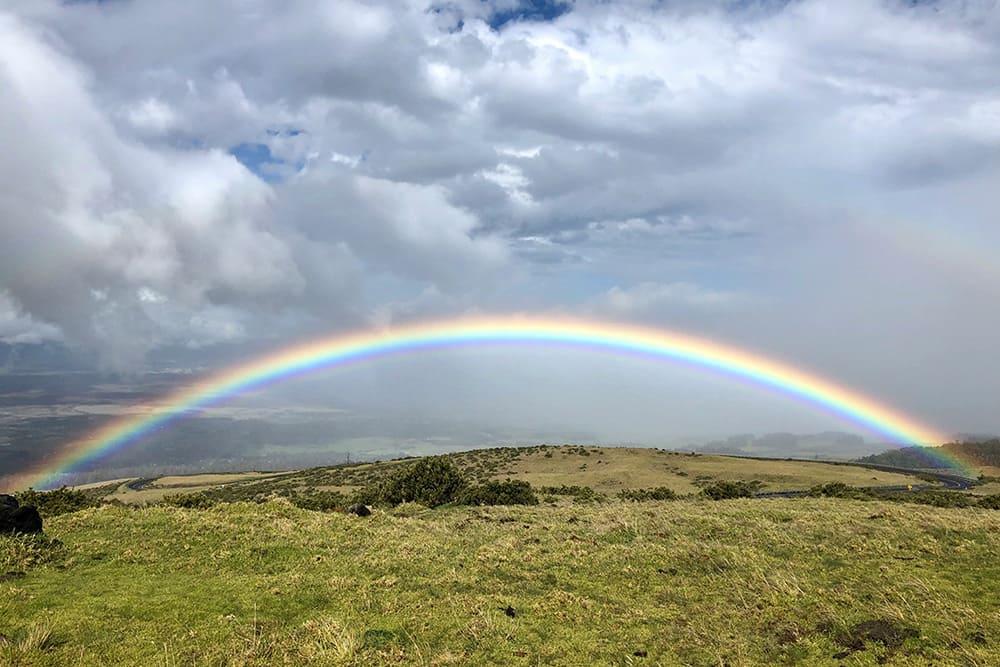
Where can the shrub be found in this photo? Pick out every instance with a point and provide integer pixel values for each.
(58, 501)
(657, 493)
(565, 490)
(193, 501)
(498, 493)
(726, 490)
(430, 481)
(838, 490)
(990, 502)
(580, 494)
(934, 498)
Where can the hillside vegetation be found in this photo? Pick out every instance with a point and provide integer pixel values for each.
(740, 582)
(606, 471)
(983, 454)
(609, 556)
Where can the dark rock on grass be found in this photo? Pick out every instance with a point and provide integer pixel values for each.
(359, 510)
(15, 519)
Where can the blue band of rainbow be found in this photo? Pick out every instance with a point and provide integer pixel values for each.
(612, 337)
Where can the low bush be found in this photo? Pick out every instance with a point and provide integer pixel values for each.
(726, 490)
(58, 501)
(430, 481)
(990, 502)
(580, 494)
(656, 493)
(510, 492)
(930, 497)
(839, 490)
(193, 501)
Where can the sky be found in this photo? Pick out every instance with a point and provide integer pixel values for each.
(815, 181)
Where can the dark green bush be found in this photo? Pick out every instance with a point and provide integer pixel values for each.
(565, 490)
(580, 494)
(58, 501)
(657, 493)
(931, 497)
(193, 501)
(838, 490)
(431, 481)
(990, 502)
(510, 492)
(726, 490)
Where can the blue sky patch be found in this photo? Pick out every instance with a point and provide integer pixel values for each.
(257, 158)
(530, 10)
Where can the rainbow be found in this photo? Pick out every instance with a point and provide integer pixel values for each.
(339, 350)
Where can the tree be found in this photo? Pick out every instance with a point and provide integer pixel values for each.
(430, 481)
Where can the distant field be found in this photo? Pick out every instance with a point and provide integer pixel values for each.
(992, 486)
(607, 470)
(691, 582)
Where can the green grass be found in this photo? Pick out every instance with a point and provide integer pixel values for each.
(739, 582)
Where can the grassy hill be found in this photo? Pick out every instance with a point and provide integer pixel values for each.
(606, 470)
(579, 579)
(741, 582)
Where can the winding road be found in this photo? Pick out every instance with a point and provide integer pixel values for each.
(140, 484)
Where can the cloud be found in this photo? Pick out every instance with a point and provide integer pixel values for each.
(641, 298)
(17, 327)
(722, 166)
(94, 221)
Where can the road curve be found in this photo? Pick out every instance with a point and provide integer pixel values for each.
(140, 484)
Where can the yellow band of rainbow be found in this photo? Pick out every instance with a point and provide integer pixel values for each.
(611, 337)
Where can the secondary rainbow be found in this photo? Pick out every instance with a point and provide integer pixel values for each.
(610, 337)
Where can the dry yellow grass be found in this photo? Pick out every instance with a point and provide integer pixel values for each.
(165, 486)
(614, 469)
(107, 482)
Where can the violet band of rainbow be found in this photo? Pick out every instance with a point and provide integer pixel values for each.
(655, 344)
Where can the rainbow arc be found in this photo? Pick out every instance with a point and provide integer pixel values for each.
(653, 344)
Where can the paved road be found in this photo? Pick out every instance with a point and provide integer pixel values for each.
(946, 480)
(140, 484)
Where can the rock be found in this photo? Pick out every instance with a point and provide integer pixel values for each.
(14, 519)
(359, 509)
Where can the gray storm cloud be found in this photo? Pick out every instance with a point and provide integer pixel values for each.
(770, 174)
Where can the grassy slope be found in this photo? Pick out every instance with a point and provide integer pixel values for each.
(606, 469)
(741, 582)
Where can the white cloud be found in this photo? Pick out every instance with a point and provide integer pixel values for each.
(624, 155)
(645, 297)
(17, 327)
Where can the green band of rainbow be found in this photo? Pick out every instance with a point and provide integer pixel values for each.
(622, 339)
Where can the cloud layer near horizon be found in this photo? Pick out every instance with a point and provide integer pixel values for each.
(814, 180)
